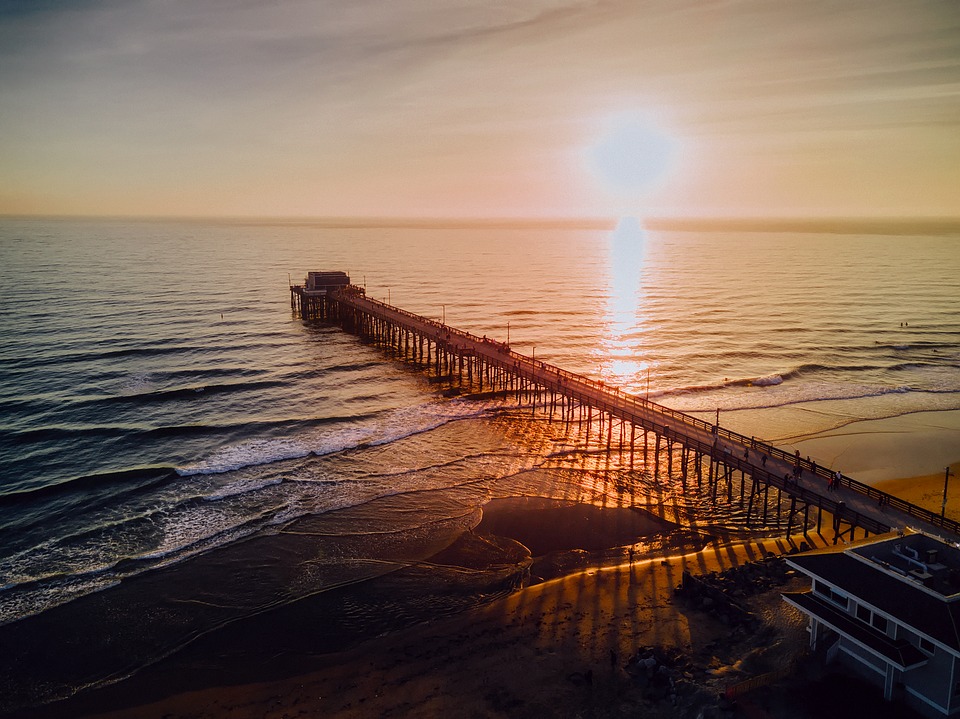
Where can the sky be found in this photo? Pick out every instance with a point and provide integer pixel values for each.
(480, 108)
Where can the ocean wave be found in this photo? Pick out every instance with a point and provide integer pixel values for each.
(762, 381)
(32, 593)
(58, 433)
(245, 486)
(381, 429)
(146, 476)
(205, 373)
(906, 366)
(768, 381)
(805, 371)
(917, 344)
(161, 395)
(157, 348)
(68, 357)
(104, 554)
(255, 452)
(818, 393)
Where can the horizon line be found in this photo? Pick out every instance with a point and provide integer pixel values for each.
(880, 224)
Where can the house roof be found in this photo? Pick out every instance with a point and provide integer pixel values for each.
(908, 603)
(899, 652)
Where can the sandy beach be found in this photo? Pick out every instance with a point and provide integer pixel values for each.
(900, 448)
(567, 646)
(558, 648)
(927, 490)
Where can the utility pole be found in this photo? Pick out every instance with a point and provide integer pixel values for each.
(946, 480)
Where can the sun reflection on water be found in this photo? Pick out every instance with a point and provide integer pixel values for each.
(623, 357)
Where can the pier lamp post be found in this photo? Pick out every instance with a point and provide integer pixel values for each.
(508, 334)
(443, 309)
(946, 480)
(648, 383)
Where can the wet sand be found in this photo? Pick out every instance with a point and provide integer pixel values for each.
(558, 647)
(881, 450)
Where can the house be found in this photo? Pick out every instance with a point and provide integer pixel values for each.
(323, 282)
(890, 609)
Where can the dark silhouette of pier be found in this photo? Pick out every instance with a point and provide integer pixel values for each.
(728, 462)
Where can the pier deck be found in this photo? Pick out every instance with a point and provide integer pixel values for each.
(458, 356)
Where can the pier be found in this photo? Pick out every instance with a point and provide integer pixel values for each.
(773, 485)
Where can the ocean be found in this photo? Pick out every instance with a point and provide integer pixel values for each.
(180, 455)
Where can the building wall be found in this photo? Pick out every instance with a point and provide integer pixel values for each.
(930, 688)
(872, 662)
(934, 679)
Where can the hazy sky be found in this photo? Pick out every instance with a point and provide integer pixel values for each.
(480, 107)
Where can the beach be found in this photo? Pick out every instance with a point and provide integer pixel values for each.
(558, 648)
(566, 645)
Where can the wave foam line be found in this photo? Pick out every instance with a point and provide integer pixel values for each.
(385, 430)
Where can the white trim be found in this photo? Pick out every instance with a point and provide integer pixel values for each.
(899, 622)
(953, 678)
(907, 580)
(926, 700)
(884, 659)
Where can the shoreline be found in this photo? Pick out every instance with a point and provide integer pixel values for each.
(555, 648)
(889, 449)
(579, 614)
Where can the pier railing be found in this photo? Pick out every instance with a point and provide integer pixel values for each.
(623, 401)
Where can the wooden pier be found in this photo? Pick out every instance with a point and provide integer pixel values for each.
(766, 479)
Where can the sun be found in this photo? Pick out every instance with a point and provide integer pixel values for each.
(632, 155)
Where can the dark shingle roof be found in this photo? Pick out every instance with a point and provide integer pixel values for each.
(898, 651)
(910, 605)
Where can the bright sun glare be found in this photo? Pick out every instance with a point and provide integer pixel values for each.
(633, 154)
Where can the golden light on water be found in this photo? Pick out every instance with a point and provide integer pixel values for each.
(633, 156)
(622, 359)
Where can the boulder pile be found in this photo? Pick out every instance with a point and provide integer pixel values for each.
(722, 594)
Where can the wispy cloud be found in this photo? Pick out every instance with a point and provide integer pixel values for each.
(432, 105)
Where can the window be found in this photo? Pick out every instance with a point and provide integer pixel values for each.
(927, 646)
(879, 622)
(863, 614)
(830, 593)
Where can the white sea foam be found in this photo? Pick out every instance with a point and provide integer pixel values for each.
(385, 428)
(244, 486)
(249, 453)
(769, 380)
